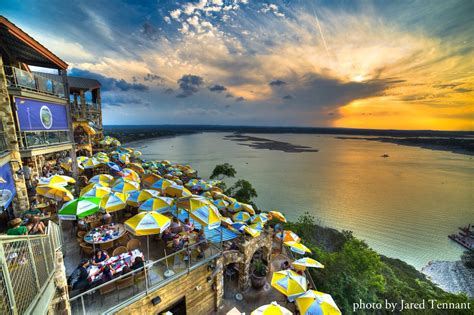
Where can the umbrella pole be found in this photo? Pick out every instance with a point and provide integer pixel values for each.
(148, 247)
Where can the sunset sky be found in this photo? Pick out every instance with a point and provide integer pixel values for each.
(365, 64)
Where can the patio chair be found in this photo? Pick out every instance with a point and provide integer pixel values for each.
(106, 246)
(80, 236)
(119, 250)
(122, 240)
(87, 250)
(124, 283)
(133, 244)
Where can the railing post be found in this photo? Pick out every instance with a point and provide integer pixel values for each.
(83, 306)
(146, 279)
(8, 280)
(33, 264)
(44, 255)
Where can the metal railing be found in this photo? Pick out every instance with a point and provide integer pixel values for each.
(34, 139)
(86, 111)
(27, 264)
(125, 289)
(3, 143)
(17, 77)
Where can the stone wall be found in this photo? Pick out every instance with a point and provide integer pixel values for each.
(20, 202)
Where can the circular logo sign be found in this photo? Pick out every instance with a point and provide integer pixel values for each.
(46, 117)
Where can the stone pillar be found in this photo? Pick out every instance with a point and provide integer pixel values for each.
(60, 303)
(20, 202)
(219, 283)
(244, 275)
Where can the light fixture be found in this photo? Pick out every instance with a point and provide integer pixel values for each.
(156, 301)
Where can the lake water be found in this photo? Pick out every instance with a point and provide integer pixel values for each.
(404, 206)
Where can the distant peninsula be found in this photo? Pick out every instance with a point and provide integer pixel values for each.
(263, 143)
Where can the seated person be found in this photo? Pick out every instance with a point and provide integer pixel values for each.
(106, 218)
(16, 228)
(31, 212)
(35, 226)
(176, 226)
(126, 270)
(78, 279)
(99, 256)
(285, 265)
(179, 242)
(167, 235)
(137, 263)
(202, 241)
(188, 226)
(107, 273)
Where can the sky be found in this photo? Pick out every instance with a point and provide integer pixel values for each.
(339, 63)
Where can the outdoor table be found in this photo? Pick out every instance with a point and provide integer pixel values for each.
(116, 262)
(104, 234)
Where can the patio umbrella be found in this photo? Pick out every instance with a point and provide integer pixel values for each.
(125, 187)
(103, 179)
(257, 226)
(58, 180)
(138, 197)
(289, 283)
(201, 210)
(288, 236)
(123, 158)
(159, 204)
(252, 231)
(306, 262)
(114, 167)
(131, 175)
(94, 190)
(297, 247)
(235, 206)
(149, 179)
(147, 223)
(175, 190)
(91, 163)
(221, 204)
(261, 217)
(79, 208)
(114, 201)
(136, 154)
(277, 215)
(162, 184)
(241, 216)
(315, 302)
(57, 193)
(136, 167)
(248, 208)
(271, 309)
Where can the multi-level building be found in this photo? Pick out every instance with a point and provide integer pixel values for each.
(34, 111)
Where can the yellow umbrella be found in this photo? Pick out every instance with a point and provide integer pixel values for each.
(271, 309)
(297, 247)
(57, 193)
(138, 197)
(252, 231)
(94, 190)
(91, 163)
(306, 262)
(57, 180)
(202, 210)
(248, 208)
(149, 179)
(87, 128)
(147, 223)
(102, 179)
(289, 283)
(136, 167)
(288, 236)
(125, 187)
(177, 191)
(277, 215)
(130, 175)
(241, 217)
(114, 201)
(315, 302)
(158, 204)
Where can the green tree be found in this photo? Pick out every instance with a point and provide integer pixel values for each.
(223, 170)
(243, 191)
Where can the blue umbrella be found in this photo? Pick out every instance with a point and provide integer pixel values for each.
(114, 167)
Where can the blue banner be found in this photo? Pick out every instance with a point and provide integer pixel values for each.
(7, 185)
(38, 115)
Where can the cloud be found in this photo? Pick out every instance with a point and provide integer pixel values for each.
(229, 96)
(189, 84)
(240, 99)
(287, 97)
(217, 88)
(168, 91)
(152, 77)
(149, 31)
(272, 8)
(108, 83)
(277, 83)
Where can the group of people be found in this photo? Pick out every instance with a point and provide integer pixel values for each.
(32, 226)
(80, 279)
(179, 239)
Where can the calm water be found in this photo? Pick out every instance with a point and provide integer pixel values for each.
(403, 206)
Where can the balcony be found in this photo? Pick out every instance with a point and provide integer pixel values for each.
(89, 112)
(18, 78)
(36, 139)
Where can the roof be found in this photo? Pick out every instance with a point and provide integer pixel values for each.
(75, 83)
(25, 48)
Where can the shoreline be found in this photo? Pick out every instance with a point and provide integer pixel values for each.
(268, 144)
(451, 276)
